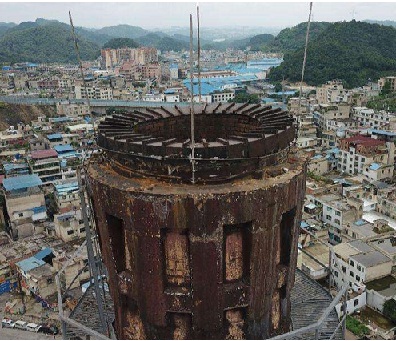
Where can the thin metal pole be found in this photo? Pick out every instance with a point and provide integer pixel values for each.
(91, 256)
(304, 62)
(199, 58)
(60, 304)
(344, 304)
(81, 70)
(192, 104)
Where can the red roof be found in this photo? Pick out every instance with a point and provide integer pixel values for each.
(364, 140)
(1, 179)
(44, 154)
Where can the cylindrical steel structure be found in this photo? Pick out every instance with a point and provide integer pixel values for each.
(209, 260)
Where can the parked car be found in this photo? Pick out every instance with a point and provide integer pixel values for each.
(53, 330)
(20, 325)
(32, 327)
(6, 323)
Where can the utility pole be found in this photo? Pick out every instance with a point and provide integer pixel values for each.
(199, 59)
(192, 118)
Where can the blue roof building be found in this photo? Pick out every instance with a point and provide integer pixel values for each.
(16, 168)
(30, 263)
(22, 182)
(54, 137)
(62, 149)
(375, 166)
(43, 253)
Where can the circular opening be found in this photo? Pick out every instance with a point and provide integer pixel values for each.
(207, 126)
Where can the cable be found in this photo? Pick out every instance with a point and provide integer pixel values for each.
(304, 62)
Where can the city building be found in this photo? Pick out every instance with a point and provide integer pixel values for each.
(25, 205)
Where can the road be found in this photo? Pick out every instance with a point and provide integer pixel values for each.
(16, 334)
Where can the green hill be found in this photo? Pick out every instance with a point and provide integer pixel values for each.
(123, 31)
(162, 42)
(43, 43)
(351, 51)
(293, 38)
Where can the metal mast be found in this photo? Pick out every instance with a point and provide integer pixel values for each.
(192, 157)
(304, 62)
(91, 254)
(81, 68)
(199, 58)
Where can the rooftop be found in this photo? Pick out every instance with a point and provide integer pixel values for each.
(21, 182)
(370, 259)
(386, 286)
(63, 148)
(365, 141)
(44, 154)
(56, 136)
(30, 264)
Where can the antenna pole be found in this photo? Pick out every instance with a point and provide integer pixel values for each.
(304, 62)
(81, 69)
(91, 255)
(199, 58)
(192, 103)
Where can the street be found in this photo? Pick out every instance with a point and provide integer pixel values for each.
(17, 334)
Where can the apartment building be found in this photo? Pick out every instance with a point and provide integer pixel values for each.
(94, 92)
(46, 164)
(358, 151)
(374, 119)
(327, 114)
(69, 225)
(25, 204)
(357, 262)
(331, 92)
(390, 79)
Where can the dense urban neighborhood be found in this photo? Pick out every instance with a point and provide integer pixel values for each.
(49, 116)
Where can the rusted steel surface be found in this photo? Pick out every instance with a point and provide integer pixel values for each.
(208, 261)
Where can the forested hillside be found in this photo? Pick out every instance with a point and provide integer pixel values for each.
(352, 51)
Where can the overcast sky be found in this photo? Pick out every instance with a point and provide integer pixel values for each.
(213, 14)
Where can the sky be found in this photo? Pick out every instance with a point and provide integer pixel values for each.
(213, 14)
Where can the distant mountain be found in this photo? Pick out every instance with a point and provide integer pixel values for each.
(351, 51)
(5, 26)
(43, 41)
(381, 22)
(117, 43)
(162, 42)
(123, 31)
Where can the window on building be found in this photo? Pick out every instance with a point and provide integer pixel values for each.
(337, 213)
(359, 268)
(70, 232)
(336, 273)
(358, 278)
(20, 214)
(352, 263)
(351, 274)
(344, 269)
(355, 302)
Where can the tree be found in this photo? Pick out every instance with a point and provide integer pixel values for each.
(390, 310)
(278, 87)
(386, 89)
(244, 97)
